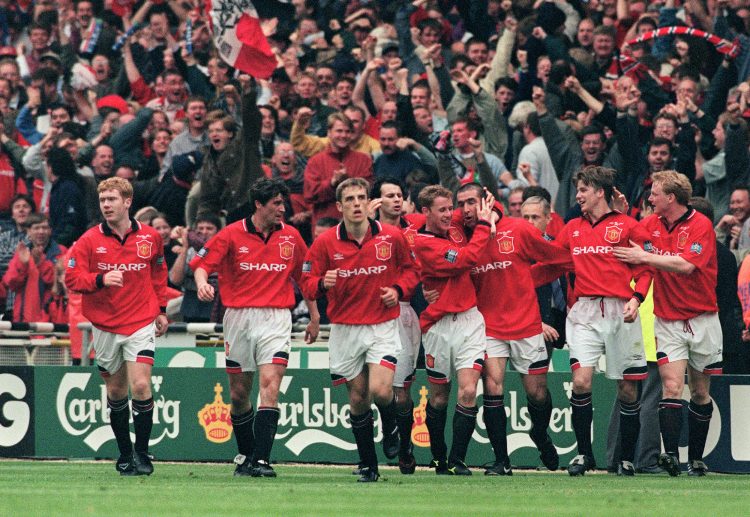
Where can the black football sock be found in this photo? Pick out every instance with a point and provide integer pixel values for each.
(495, 421)
(243, 432)
(464, 421)
(583, 413)
(670, 422)
(699, 419)
(540, 415)
(436, 426)
(364, 437)
(405, 421)
(264, 430)
(119, 419)
(630, 427)
(388, 417)
(143, 421)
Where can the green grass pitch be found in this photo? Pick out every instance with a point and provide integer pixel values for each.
(94, 488)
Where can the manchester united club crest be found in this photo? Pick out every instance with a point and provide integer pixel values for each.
(143, 248)
(383, 250)
(455, 234)
(612, 233)
(682, 238)
(286, 250)
(505, 244)
(409, 235)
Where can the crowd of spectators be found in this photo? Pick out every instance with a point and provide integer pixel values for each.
(510, 93)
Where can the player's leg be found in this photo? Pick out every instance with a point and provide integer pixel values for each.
(630, 425)
(267, 417)
(583, 415)
(539, 404)
(139, 379)
(530, 357)
(240, 367)
(464, 419)
(410, 335)
(436, 416)
(243, 419)
(109, 360)
(700, 410)
(495, 420)
(670, 413)
(361, 418)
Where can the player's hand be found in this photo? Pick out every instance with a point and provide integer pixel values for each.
(389, 296)
(549, 332)
(206, 292)
(727, 221)
(329, 280)
(485, 211)
(431, 295)
(619, 201)
(113, 279)
(630, 311)
(632, 255)
(373, 206)
(162, 324)
(311, 331)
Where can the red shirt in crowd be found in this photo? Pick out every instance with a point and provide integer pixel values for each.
(504, 269)
(140, 257)
(382, 260)
(318, 190)
(598, 272)
(254, 271)
(692, 237)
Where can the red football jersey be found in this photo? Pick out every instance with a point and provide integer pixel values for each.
(140, 257)
(445, 264)
(382, 260)
(692, 237)
(598, 272)
(504, 269)
(253, 271)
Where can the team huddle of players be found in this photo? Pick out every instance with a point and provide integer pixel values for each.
(477, 269)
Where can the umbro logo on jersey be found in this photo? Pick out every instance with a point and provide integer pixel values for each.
(244, 249)
(338, 256)
(139, 236)
(101, 249)
(656, 233)
(576, 233)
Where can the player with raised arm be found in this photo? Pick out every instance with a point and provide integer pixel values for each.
(453, 330)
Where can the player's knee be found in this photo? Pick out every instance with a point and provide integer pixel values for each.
(240, 396)
(582, 385)
(700, 394)
(537, 393)
(492, 386)
(627, 391)
(439, 400)
(672, 387)
(141, 389)
(467, 396)
(382, 395)
(402, 397)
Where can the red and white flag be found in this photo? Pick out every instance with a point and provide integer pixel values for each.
(239, 37)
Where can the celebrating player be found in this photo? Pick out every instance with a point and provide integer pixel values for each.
(514, 329)
(118, 265)
(687, 329)
(453, 330)
(605, 315)
(388, 199)
(256, 258)
(364, 268)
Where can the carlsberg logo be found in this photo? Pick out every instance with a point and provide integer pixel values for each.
(82, 415)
